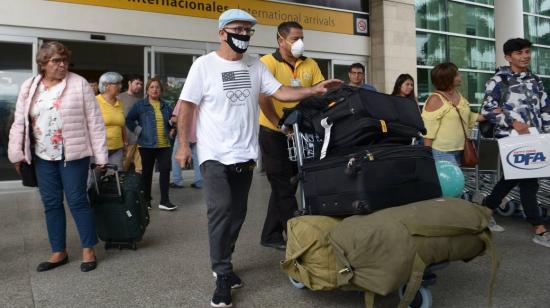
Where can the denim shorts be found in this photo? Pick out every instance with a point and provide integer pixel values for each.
(450, 156)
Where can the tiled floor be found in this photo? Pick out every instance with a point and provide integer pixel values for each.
(171, 266)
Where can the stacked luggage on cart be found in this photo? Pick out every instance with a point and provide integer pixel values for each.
(371, 216)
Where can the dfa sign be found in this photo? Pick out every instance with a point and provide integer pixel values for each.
(525, 156)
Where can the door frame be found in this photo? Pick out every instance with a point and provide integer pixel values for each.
(151, 51)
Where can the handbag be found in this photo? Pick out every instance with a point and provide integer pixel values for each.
(469, 155)
(27, 172)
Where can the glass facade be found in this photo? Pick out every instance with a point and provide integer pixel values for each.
(536, 23)
(461, 32)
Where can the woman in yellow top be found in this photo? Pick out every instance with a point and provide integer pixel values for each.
(149, 120)
(112, 110)
(441, 115)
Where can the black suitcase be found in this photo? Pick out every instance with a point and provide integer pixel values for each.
(370, 179)
(121, 215)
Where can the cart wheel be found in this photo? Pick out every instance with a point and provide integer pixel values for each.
(296, 283)
(508, 208)
(423, 298)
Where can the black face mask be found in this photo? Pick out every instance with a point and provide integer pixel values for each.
(237, 42)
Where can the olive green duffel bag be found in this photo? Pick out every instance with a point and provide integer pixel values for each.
(380, 252)
(309, 257)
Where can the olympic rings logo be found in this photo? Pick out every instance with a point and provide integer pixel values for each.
(237, 95)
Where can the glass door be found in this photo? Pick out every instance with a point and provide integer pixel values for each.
(16, 65)
(171, 65)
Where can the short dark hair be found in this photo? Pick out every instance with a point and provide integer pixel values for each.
(133, 77)
(284, 28)
(515, 44)
(443, 76)
(356, 65)
(399, 82)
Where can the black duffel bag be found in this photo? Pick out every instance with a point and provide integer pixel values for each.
(358, 117)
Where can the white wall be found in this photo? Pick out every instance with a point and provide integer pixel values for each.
(100, 20)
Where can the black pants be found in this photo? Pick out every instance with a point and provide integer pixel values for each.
(148, 157)
(226, 194)
(279, 170)
(528, 189)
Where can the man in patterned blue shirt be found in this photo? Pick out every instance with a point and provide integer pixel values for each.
(515, 100)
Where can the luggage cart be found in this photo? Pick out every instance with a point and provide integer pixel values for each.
(303, 147)
(479, 181)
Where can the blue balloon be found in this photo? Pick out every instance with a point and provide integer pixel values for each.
(451, 178)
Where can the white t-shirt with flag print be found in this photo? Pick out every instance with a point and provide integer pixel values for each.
(226, 93)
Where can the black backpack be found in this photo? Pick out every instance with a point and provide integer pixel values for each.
(347, 117)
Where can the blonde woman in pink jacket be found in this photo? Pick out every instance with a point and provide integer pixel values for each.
(57, 127)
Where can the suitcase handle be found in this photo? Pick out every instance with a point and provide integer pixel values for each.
(107, 166)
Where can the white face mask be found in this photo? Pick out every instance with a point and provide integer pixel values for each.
(297, 48)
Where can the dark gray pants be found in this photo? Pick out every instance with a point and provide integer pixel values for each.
(226, 193)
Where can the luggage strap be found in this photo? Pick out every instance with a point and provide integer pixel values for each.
(414, 282)
(369, 299)
(326, 140)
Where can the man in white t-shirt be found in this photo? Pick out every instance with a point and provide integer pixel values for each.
(225, 86)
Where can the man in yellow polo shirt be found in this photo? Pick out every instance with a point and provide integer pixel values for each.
(290, 68)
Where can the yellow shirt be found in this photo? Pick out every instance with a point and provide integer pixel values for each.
(162, 140)
(113, 116)
(306, 70)
(443, 125)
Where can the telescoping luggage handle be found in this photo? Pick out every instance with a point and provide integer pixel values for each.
(107, 166)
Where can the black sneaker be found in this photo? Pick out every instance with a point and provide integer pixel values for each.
(234, 280)
(168, 206)
(222, 294)
(148, 204)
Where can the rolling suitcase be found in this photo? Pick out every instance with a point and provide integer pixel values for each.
(121, 215)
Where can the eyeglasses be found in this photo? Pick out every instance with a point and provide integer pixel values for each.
(240, 30)
(59, 60)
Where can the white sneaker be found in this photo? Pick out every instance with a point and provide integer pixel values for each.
(542, 239)
(168, 206)
(494, 227)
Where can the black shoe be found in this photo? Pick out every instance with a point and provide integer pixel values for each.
(234, 281)
(148, 204)
(276, 245)
(174, 185)
(168, 206)
(222, 294)
(46, 266)
(196, 186)
(88, 266)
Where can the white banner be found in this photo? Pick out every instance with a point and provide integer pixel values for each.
(525, 156)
